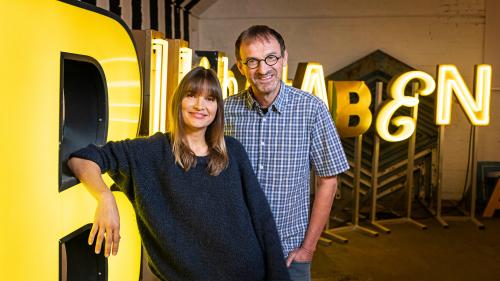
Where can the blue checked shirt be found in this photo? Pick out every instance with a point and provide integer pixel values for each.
(296, 133)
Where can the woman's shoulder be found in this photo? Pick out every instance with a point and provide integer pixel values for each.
(155, 139)
(232, 143)
(234, 147)
(154, 144)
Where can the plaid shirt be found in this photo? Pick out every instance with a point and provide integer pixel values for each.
(296, 133)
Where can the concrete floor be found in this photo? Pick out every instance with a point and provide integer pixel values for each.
(461, 252)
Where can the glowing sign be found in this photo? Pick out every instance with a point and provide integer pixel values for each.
(205, 63)
(450, 81)
(158, 100)
(406, 125)
(228, 82)
(310, 78)
(284, 76)
(185, 62)
(36, 214)
(342, 91)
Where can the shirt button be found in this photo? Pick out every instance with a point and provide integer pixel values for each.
(262, 143)
(263, 119)
(261, 167)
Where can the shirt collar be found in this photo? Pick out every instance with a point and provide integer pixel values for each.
(278, 104)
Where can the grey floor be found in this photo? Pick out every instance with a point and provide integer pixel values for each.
(461, 252)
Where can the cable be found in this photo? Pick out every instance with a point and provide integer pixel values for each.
(470, 157)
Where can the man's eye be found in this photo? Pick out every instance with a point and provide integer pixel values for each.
(251, 61)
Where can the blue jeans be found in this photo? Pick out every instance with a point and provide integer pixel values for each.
(300, 271)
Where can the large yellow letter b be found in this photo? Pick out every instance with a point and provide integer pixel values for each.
(69, 76)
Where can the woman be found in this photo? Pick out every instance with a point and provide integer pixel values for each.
(200, 210)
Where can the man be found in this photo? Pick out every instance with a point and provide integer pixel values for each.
(285, 131)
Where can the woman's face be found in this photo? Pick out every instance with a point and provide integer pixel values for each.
(198, 111)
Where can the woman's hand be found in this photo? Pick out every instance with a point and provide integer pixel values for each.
(106, 225)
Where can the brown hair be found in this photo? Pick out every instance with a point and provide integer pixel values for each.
(258, 32)
(199, 81)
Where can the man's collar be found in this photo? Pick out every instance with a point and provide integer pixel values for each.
(278, 103)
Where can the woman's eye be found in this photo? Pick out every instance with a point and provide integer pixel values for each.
(210, 99)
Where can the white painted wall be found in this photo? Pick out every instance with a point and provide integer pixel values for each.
(338, 32)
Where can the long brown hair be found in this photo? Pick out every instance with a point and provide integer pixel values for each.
(197, 81)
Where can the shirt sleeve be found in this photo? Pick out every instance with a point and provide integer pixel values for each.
(262, 219)
(327, 154)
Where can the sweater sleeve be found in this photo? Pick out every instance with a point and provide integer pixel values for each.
(262, 217)
(118, 159)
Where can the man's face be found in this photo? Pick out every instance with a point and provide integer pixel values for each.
(265, 80)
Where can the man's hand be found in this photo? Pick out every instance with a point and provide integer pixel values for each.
(300, 255)
(106, 225)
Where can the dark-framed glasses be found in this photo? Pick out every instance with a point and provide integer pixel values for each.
(254, 63)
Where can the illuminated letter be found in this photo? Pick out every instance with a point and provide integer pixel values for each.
(494, 202)
(158, 95)
(228, 82)
(397, 99)
(284, 76)
(179, 63)
(310, 78)
(185, 61)
(345, 109)
(204, 62)
(39, 37)
(450, 80)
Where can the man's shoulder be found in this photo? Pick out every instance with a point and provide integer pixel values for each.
(301, 96)
(235, 104)
(236, 98)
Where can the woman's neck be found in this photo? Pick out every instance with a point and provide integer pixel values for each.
(197, 143)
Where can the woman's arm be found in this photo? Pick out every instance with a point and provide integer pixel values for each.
(107, 220)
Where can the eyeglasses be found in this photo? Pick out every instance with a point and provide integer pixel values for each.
(254, 63)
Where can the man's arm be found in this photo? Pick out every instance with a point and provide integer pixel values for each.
(107, 220)
(323, 200)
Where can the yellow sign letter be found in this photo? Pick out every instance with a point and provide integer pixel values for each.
(449, 80)
(342, 91)
(406, 125)
(70, 76)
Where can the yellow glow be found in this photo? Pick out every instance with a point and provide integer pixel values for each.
(124, 105)
(406, 125)
(450, 81)
(179, 64)
(221, 64)
(231, 83)
(205, 63)
(314, 81)
(125, 59)
(185, 61)
(123, 120)
(124, 84)
(35, 214)
(158, 95)
(228, 83)
(284, 76)
(332, 99)
(345, 109)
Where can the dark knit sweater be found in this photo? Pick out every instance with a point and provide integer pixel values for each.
(195, 226)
